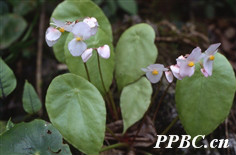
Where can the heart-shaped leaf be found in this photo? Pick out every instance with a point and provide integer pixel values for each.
(31, 102)
(7, 79)
(135, 50)
(134, 101)
(203, 103)
(77, 109)
(11, 28)
(76, 65)
(36, 137)
(72, 10)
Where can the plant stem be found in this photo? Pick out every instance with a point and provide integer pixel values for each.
(114, 146)
(160, 101)
(155, 94)
(112, 133)
(100, 72)
(86, 68)
(113, 105)
(170, 125)
(108, 105)
(109, 94)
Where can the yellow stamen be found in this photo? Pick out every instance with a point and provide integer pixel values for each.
(211, 57)
(154, 72)
(78, 38)
(191, 64)
(61, 29)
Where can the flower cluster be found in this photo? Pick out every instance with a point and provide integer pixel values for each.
(185, 65)
(81, 31)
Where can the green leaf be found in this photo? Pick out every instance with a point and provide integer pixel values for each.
(134, 101)
(77, 109)
(11, 28)
(2, 127)
(35, 138)
(129, 6)
(135, 50)
(203, 103)
(31, 102)
(7, 79)
(58, 48)
(72, 10)
(23, 7)
(76, 65)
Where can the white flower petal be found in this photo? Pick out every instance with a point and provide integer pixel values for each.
(158, 67)
(58, 23)
(169, 76)
(180, 59)
(87, 54)
(174, 68)
(208, 65)
(76, 48)
(175, 71)
(185, 70)
(69, 27)
(165, 69)
(145, 69)
(94, 30)
(212, 49)
(82, 30)
(52, 35)
(204, 72)
(50, 43)
(195, 55)
(154, 78)
(104, 51)
(92, 22)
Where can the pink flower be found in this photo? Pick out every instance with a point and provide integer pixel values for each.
(53, 34)
(104, 51)
(87, 54)
(175, 68)
(169, 76)
(81, 32)
(187, 66)
(154, 72)
(175, 71)
(209, 57)
(93, 24)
